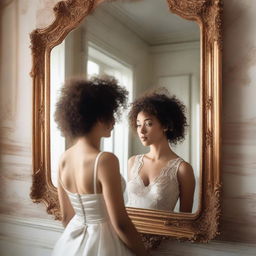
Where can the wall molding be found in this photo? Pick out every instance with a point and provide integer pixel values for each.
(25, 235)
(92, 34)
(175, 47)
(36, 232)
(146, 35)
(37, 223)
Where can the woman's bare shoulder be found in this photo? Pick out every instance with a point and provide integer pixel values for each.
(108, 160)
(108, 167)
(185, 165)
(131, 160)
(108, 156)
(185, 170)
(64, 157)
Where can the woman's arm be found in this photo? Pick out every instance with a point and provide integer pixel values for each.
(67, 211)
(187, 186)
(109, 177)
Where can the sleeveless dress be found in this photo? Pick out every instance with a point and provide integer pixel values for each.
(89, 232)
(161, 194)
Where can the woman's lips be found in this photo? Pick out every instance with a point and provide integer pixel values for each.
(143, 138)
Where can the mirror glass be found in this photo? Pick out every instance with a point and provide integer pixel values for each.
(144, 46)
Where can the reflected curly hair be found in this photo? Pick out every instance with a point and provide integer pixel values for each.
(84, 102)
(169, 111)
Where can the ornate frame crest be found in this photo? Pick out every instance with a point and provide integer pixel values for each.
(156, 225)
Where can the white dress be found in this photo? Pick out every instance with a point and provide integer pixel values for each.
(89, 232)
(161, 194)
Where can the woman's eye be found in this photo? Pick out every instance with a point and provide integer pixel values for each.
(138, 125)
(148, 124)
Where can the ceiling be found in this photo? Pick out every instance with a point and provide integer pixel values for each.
(152, 21)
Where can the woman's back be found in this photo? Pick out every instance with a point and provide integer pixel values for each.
(76, 169)
(90, 231)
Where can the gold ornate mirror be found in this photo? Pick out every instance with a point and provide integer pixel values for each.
(180, 46)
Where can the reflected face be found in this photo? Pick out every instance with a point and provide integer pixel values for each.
(149, 129)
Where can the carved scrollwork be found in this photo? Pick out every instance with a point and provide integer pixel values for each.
(188, 8)
(38, 187)
(208, 138)
(39, 192)
(53, 206)
(208, 103)
(67, 15)
(212, 20)
(206, 228)
(153, 241)
(37, 46)
(41, 116)
(208, 109)
(208, 12)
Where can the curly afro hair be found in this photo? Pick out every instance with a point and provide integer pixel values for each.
(84, 102)
(169, 111)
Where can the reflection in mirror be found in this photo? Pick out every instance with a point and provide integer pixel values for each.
(122, 39)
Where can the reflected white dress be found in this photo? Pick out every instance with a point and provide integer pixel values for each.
(89, 232)
(161, 194)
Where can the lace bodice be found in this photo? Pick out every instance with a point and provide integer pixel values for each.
(161, 194)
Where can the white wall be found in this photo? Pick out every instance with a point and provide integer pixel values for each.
(26, 228)
(116, 39)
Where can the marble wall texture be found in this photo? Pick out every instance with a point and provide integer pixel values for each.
(25, 224)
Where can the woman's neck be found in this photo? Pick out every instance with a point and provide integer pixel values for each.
(90, 141)
(160, 151)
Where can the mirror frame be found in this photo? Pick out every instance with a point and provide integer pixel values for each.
(154, 225)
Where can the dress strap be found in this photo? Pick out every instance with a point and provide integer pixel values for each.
(95, 173)
(177, 165)
(61, 183)
(171, 167)
(136, 165)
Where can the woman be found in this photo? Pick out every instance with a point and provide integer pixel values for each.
(159, 178)
(89, 186)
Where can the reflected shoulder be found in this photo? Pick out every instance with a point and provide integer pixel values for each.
(185, 166)
(185, 170)
(131, 161)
